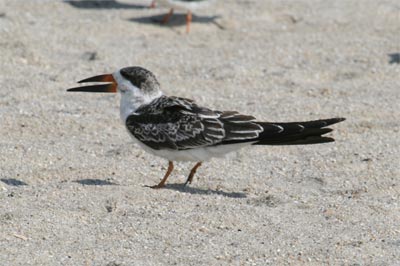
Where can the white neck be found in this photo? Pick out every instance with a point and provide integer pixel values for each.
(131, 101)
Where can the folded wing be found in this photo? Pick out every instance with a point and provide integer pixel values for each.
(179, 124)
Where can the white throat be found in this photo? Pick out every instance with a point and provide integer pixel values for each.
(131, 97)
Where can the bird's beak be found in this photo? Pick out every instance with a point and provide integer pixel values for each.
(109, 87)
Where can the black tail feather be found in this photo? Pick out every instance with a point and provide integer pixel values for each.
(296, 133)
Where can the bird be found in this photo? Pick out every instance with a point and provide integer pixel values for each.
(183, 5)
(179, 129)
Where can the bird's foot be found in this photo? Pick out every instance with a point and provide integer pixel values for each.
(187, 182)
(191, 175)
(188, 21)
(166, 18)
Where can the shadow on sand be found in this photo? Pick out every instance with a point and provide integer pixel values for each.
(200, 191)
(13, 182)
(177, 20)
(394, 58)
(95, 182)
(103, 4)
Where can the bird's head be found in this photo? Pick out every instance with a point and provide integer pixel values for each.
(132, 81)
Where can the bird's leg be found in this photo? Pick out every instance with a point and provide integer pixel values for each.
(153, 4)
(167, 16)
(192, 172)
(162, 182)
(188, 21)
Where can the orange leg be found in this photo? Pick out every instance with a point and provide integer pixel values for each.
(153, 4)
(188, 21)
(162, 182)
(192, 172)
(167, 16)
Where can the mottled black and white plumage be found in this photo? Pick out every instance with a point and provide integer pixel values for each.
(141, 78)
(179, 124)
(180, 130)
(175, 123)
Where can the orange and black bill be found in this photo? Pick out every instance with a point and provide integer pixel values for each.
(110, 87)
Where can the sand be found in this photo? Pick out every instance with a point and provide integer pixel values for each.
(72, 181)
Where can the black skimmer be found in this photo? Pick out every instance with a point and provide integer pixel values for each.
(178, 129)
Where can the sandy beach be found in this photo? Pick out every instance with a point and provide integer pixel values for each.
(72, 182)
